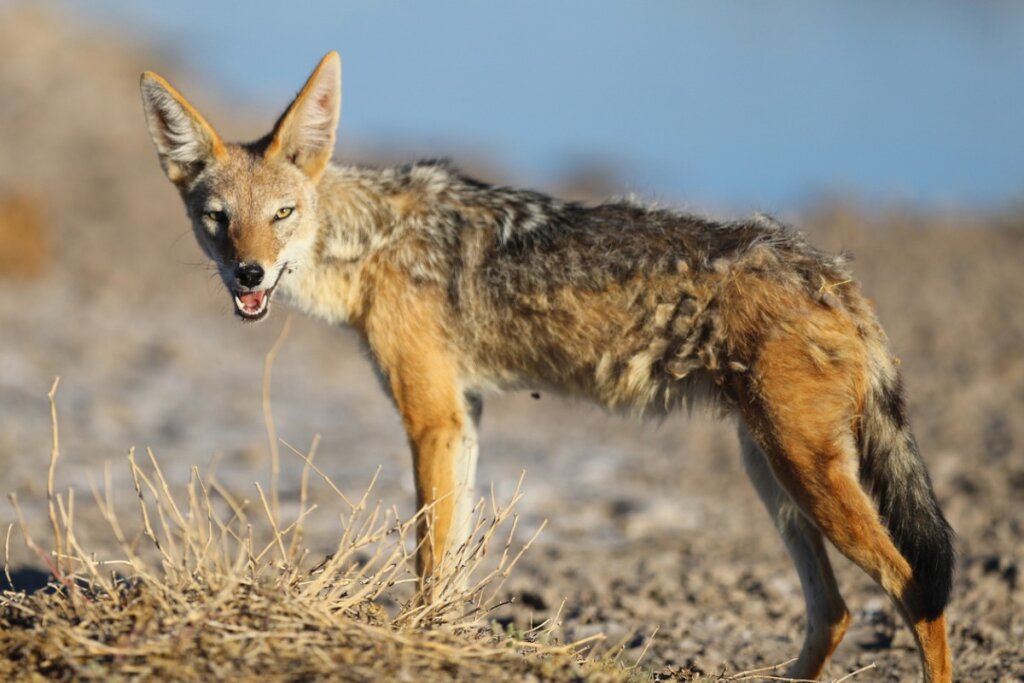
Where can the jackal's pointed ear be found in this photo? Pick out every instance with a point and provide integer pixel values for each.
(305, 133)
(184, 140)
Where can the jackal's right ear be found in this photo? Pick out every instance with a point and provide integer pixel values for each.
(305, 133)
(183, 138)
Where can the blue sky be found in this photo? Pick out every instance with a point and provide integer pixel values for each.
(742, 104)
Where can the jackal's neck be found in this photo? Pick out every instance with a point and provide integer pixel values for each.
(416, 217)
(358, 210)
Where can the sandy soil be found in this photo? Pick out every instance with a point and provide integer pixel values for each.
(649, 526)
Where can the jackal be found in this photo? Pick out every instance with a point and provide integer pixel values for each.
(457, 287)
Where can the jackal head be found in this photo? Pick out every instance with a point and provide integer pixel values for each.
(253, 206)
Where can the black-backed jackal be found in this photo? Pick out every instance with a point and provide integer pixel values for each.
(458, 286)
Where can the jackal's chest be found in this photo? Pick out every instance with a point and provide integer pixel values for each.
(330, 294)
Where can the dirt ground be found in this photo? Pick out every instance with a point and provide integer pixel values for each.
(649, 526)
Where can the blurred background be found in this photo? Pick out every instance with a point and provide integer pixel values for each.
(735, 104)
(888, 129)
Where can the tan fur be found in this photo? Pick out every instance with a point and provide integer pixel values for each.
(405, 329)
(937, 659)
(808, 388)
(827, 616)
(458, 287)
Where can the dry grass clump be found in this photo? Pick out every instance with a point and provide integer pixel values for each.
(24, 235)
(211, 587)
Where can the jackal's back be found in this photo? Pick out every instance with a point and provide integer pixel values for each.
(637, 307)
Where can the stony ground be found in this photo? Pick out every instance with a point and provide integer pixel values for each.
(649, 527)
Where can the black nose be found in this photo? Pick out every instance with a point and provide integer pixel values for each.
(249, 274)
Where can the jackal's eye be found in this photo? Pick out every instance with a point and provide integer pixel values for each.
(283, 213)
(217, 217)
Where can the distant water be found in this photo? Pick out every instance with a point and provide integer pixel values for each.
(742, 104)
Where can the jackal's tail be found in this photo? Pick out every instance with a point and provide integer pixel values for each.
(893, 471)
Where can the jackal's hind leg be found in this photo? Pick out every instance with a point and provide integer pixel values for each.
(801, 407)
(827, 616)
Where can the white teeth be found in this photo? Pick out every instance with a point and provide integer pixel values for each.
(240, 305)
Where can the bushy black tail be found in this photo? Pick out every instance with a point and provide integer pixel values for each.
(895, 474)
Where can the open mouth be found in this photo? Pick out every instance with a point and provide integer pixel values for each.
(254, 305)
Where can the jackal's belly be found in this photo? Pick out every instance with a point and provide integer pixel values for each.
(642, 350)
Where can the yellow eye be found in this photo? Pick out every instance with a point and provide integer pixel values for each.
(283, 212)
(215, 216)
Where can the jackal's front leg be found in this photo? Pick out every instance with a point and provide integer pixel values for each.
(407, 329)
(444, 451)
(440, 421)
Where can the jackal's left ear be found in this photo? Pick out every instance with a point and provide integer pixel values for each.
(305, 133)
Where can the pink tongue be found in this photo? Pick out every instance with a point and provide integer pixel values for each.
(252, 300)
